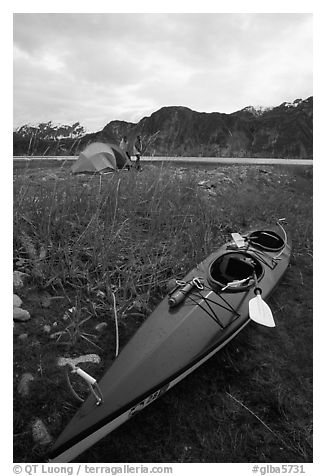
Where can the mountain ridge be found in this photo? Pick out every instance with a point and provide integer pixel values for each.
(282, 131)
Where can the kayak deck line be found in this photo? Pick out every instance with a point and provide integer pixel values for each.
(175, 340)
(212, 314)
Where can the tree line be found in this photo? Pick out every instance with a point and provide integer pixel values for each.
(47, 138)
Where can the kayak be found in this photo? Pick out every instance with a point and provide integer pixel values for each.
(202, 313)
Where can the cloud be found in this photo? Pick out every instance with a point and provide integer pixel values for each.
(94, 68)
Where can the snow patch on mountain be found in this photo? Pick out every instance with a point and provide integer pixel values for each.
(256, 110)
(292, 104)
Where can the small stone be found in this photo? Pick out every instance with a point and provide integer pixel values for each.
(47, 328)
(23, 336)
(21, 314)
(23, 386)
(40, 433)
(19, 279)
(17, 302)
(101, 326)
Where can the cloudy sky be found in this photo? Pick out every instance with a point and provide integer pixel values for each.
(94, 68)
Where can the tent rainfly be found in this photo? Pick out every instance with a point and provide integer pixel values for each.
(100, 157)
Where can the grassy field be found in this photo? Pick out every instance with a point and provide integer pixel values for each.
(86, 241)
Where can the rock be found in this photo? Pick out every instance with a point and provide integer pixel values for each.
(17, 302)
(19, 279)
(47, 328)
(23, 386)
(94, 358)
(101, 326)
(21, 314)
(23, 336)
(40, 433)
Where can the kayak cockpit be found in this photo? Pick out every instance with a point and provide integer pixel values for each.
(234, 271)
(266, 240)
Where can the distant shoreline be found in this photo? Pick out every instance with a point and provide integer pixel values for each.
(190, 160)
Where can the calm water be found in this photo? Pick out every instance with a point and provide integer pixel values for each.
(182, 160)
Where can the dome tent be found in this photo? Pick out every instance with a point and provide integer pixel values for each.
(100, 157)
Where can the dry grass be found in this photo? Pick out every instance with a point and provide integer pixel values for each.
(107, 246)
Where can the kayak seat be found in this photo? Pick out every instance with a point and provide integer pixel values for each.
(233, 267)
